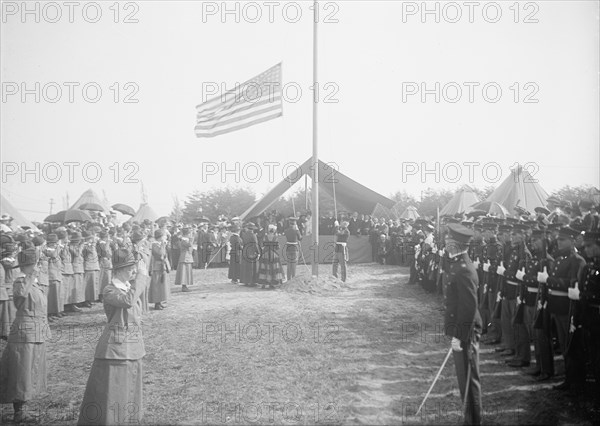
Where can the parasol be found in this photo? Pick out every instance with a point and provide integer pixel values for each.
(124, 208)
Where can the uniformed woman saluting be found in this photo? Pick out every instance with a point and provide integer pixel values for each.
(23, 364)
(113, 394)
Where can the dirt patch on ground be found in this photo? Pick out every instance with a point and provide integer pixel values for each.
(323, 284)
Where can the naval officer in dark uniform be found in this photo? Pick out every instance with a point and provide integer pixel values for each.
(462, 321)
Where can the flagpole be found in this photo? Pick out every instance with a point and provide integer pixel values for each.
(315, 157)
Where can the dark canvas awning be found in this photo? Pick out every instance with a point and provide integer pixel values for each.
(349, 193)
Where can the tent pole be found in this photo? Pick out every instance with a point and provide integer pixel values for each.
(315, 157)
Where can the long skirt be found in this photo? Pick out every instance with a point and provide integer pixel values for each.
(78, 289)
(55, 297)
(22, 372)
(113, 394)
(7, 316)
(143, 279)
(92, 285)
(175, 257)
(184, 275)
(270, 270)
(159, 287)
(248, 271)
(105, 278)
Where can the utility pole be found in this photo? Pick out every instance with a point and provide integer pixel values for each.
(51, 204)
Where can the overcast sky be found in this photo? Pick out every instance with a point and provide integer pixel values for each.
(370, 58)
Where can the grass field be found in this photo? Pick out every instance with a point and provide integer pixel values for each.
(364, 354)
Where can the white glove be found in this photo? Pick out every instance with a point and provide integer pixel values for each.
(476, 263)
(542, 277)
(520, 274)
(498, 297)
(456, 345)
(440, 252)
(501, 269)
(519, 301)
(486, 266)
(539, 305)
(574, 292)
(484, 288)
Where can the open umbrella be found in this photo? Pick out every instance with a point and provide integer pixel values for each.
(56, 217)
(124, 208)
(76, 215)
(492, 208)
(476, 213)
(92, 207)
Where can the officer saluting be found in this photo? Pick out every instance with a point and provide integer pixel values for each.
(462, 321)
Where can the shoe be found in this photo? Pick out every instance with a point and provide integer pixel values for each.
(491, 342)
(76, 309)
(500, 349)
(562, 387)
(163, 304)
(185, 289)
(543, 377)
(519, 364)
(534, 372)
(508, 352)
(158, 307)
(23, 417)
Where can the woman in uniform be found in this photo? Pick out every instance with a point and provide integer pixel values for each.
(7, 308)
(159, 282)
(113, 394)
(23, 364)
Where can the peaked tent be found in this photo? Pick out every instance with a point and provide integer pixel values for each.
(90, 196)
(460, 202)
(143, 213)
(18, 219)
(397, 210)
(349, 193)
(410, 213)
(380, 211)
(519, 189)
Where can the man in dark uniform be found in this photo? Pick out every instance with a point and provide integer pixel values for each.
(462, 321)
(587, 292)
(534, 299)
(493, 253)
(292, 247)
(560, 278)
(517, 260)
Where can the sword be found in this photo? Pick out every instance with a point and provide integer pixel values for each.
(437, 376)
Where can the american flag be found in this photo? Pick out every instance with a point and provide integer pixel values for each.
(253, 102)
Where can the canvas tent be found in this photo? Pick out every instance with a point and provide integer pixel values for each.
(18, 219)
(143, 213)
(380, 211)
(397, 210)
(410, 213)
(520, 189)
(90, 196)
(349, 193)
(460, 202)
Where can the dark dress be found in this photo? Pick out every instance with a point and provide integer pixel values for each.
(235, 257)
(249, 264)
